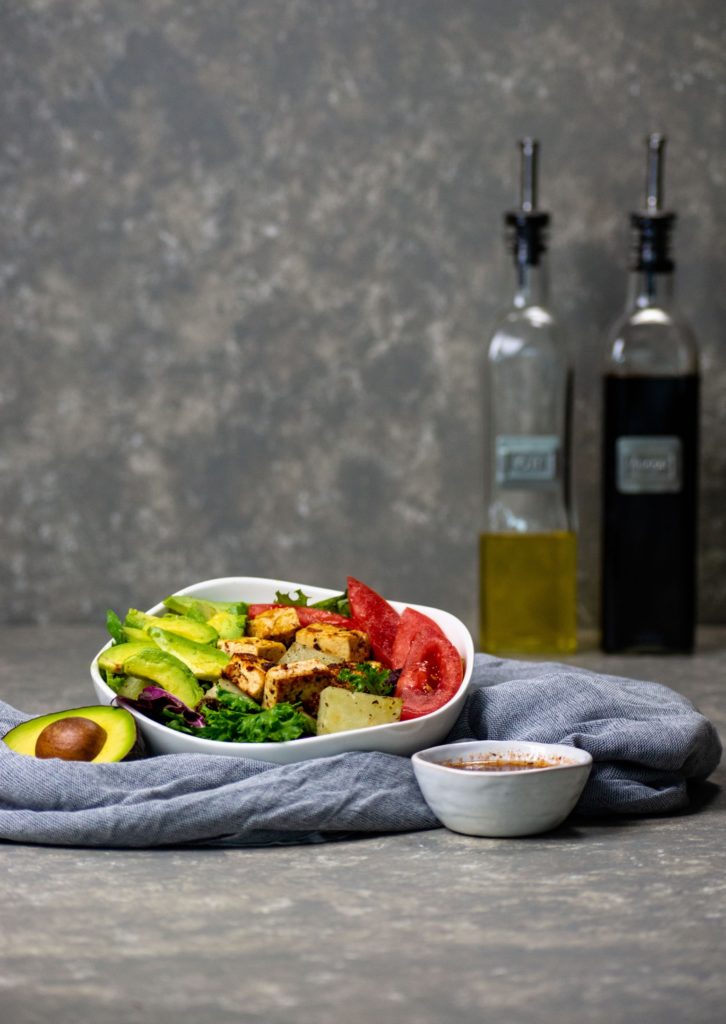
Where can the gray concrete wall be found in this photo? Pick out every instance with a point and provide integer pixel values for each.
(250, 256)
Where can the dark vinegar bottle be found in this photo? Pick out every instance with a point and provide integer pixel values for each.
(650, 449)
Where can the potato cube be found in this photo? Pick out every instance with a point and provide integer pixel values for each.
(341, 710)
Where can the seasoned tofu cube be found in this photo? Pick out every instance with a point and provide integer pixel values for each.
(298, 652)
(248, 673)
(279, 624)
(346, 644)
(268, 650)
(299, 683)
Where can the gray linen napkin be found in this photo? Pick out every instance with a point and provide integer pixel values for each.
(646, 741)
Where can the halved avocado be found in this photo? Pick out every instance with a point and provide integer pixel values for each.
(200, 632)
(114, 659)
(204, 661)
(114, 729)
(167, 672)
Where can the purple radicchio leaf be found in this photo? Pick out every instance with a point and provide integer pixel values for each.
(153, 701)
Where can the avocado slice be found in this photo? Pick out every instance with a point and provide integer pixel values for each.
(196, 607)
(204, 661)
(132, 687)
(114, 659)
(200, 632)
(131, 633)
(167, 672)
(122, 739)
(229, 626)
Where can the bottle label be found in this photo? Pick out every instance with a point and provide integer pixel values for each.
(527, 463)
(648, 465)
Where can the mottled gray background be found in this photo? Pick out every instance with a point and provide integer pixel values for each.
(251, 254)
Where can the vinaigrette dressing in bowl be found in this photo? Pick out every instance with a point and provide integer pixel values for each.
(501, 788)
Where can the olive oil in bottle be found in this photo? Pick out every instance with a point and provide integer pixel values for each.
(527, 549)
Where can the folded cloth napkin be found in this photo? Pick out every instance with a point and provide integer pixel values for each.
(646, 742)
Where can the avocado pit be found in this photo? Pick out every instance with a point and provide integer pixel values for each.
(71, 739)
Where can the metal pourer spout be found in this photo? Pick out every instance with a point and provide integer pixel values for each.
(654, 193)
(652, 226)
(526, 224)
(528, 155)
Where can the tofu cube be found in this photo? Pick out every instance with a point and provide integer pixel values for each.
(278, 624)
(301, 682)
(268, 650)
(346, 644)
(248, 673)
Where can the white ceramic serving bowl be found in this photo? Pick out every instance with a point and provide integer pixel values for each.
(396, 738)
(502, 803)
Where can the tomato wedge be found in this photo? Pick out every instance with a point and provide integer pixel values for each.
(430, 676)
(374, 615)
(305, 615)
(413, 625)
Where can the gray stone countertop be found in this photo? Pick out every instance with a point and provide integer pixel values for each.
(614, 920)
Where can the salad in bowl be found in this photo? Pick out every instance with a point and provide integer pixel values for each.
(283, 672)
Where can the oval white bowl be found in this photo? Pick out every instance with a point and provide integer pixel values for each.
(397, 738)
(499, 804)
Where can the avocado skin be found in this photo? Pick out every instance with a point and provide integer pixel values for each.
(191, 629)
(167, 672)
(123, 739)
(204, 661)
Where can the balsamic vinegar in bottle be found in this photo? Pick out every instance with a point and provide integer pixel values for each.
(650, 448)
(527, 549)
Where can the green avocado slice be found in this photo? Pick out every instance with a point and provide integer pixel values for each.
(228, 625)
(202, 607)
(204, 661)
(200, 632)
(123, 741)
(167, 672)
(113, 659)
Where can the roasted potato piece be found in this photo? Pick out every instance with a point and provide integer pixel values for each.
(342, 709)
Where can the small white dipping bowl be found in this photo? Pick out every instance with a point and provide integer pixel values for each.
(502, 803)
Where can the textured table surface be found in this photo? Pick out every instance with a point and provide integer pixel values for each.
(610, 921)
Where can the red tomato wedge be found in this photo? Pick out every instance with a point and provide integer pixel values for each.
(431, 675)
(374, 615)
(413, 625)
(305, 615)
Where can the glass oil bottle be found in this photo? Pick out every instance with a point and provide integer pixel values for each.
(650, 447)
(528, 548)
